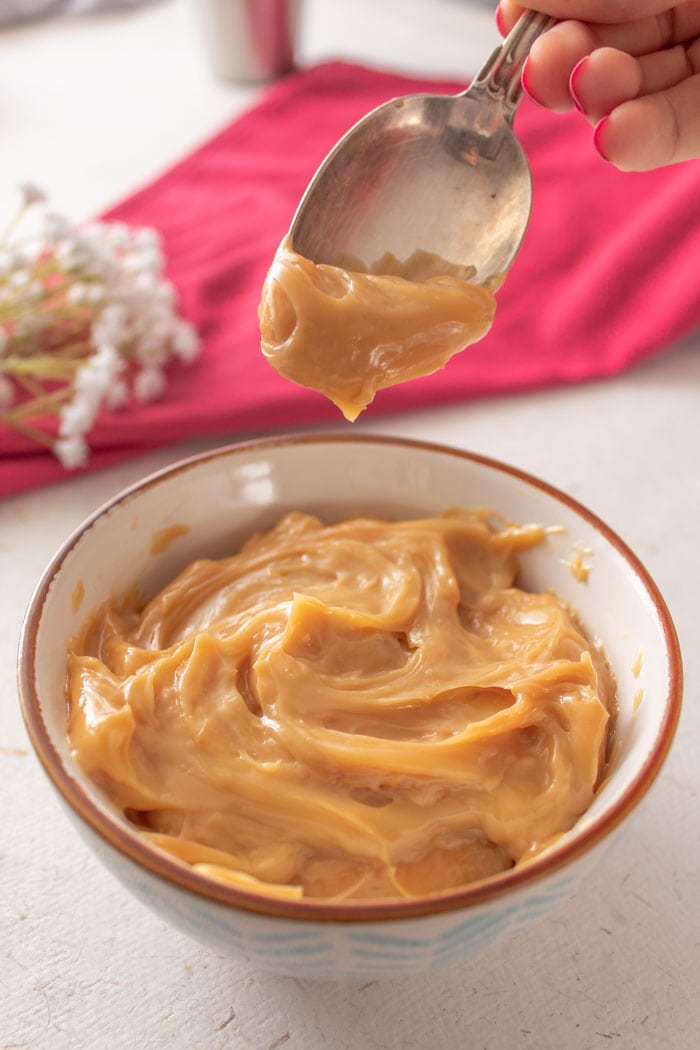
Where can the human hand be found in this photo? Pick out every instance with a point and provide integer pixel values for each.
(631, 66)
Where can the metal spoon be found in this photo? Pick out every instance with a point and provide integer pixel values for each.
(437, 175)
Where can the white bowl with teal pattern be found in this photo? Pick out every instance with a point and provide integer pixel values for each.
(222, 496)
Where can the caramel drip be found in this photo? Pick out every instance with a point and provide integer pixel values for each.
(349, 334)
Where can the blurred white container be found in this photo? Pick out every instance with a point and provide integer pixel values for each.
(249, 40)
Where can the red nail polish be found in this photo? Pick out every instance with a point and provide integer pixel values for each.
(500, 24)
(573, 79)
(524, 77)
(597, 134)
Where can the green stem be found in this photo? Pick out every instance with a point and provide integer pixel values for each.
(32, 387)
(53, 368)
(33, 433)
(14, 222)
(40, 406)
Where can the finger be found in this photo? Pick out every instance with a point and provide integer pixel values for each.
(507, 14)
(653, 130)
(586, 10)
(606, 78)
(639, 35)
(553, 56)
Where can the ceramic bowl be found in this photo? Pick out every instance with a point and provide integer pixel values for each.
(204, 506)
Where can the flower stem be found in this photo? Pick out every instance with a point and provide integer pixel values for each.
(51, 368)
(13, 223)
(33, 433)
(38, 406)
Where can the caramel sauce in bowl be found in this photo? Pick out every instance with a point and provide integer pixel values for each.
(209, 506)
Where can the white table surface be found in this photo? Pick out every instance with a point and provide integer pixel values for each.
(91, 108)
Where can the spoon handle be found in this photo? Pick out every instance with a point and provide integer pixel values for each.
(499, 77)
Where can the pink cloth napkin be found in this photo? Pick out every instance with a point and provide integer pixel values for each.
(608, 273)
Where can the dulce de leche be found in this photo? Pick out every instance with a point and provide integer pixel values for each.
(367, 709)
(348, 334)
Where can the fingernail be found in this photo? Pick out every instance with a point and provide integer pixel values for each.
(597, 135)
(500, 24)
(573, 83)
(524, 77)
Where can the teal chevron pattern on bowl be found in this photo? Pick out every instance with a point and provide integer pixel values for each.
(349, 951)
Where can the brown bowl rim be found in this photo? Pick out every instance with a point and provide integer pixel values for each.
(158, 863)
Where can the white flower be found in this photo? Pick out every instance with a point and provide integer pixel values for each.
(77, 417)
(116, 234)
(144, 284)
(103, 285)
(108, 362)
(77, 293)
(110, 327)
(55, 227)
(117, 395)
(94, 293)
(95, 233)
(92, 385)
(7, 393)
(185, 342)
(144, 260)
(150, 383)
(97, 260)
(165, 295)
(80, 294)
(93, 380)
(138, 301)
(31, 193)
(6, 263)
(72, 451)
(19, 279)
(71, 254)
(147, 237)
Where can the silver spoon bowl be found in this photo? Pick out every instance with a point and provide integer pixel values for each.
(439, 176)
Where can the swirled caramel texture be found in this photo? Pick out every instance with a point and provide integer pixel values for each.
(349, 334)
(358, 710)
